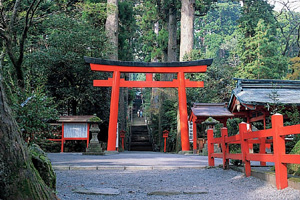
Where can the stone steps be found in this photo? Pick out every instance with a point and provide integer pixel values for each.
(140, 140)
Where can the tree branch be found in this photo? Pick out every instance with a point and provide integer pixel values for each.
(28, 21)
(14, 14)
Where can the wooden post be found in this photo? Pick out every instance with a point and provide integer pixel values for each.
(88, 135)
(262, 149)
(113, 117)
(62, 138)
(245, 148)
(262, 145)
(149, 77)
(279, 150)
(165, 136)
(165, 144)
(185, 144)
(210, 147)
(224, 133)
(122, 135)
(194, 136)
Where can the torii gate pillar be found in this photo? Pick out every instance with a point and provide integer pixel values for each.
(114, 109)
(185, 143)
(118, 67)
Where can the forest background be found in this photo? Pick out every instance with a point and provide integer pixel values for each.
(44, 74)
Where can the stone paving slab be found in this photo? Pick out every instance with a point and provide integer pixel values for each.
(97, 191)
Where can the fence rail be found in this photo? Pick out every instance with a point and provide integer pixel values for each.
(246, 138)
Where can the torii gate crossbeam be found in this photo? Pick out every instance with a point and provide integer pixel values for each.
(118, 67)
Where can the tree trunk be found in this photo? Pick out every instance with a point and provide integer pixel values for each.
(187, 27)
(111, 28)
(18, 177)
(172, 42)
(186, 45)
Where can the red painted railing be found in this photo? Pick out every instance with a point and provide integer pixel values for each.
(246, 137)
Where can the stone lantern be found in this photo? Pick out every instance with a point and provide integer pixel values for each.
(210, 123)
(95, 147)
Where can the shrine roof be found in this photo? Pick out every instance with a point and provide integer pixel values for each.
(75, 119)
(263, 92)
(211, 110)
(92, 60)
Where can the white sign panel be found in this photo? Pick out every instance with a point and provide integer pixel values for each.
(117, 139)
(190, 131)
(75, 130)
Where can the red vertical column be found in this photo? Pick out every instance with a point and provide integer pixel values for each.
(225, 149)
(62, 137)
(165, 144)
(113, 117)
(149, 77)
(210, 147)
(194, 136)
(185, 144)
(279, 150)
(262, 145)
(245, 148)
(88, 135)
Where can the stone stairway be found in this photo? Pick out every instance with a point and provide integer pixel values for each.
(140, 140)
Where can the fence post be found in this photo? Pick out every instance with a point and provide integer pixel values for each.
(262, 149)
(279, 150)
(245, 148)
(224, 133)
(210, 147)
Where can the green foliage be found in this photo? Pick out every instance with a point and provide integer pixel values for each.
(262, 60)
(288, 35)
(127, 30)
(215, 29)
(168, 116)
(294, 72)
(202, 6)
(95, 119)
(233, 129)
(33, 109)
(293, 116)
(217, 85)
(294, 168)
(235, 149)
(259, 49)
(233, 126)
(68, 41)
(94, 13)
(152, 22)
(252, 13)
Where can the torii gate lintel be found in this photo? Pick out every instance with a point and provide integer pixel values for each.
(118, 67)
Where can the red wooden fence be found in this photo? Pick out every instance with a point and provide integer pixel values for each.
(246, 137)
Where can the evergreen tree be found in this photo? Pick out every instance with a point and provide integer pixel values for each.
(259, 48)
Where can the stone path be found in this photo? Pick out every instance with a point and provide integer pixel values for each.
(181, 184)
(157, 176)
(128, 160)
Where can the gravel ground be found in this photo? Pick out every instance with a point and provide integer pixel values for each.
(215, 183)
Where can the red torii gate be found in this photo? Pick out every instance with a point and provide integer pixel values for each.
(118, 67)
